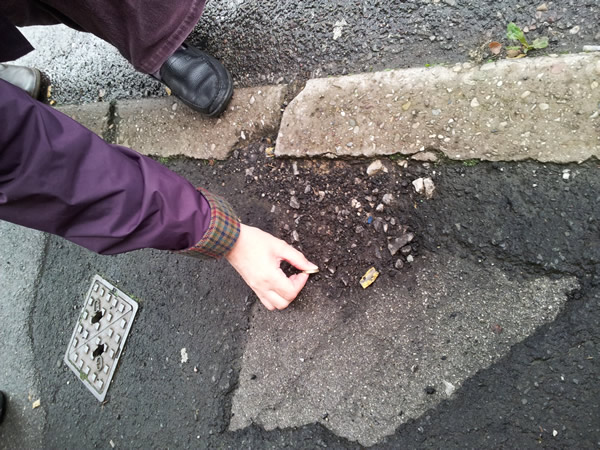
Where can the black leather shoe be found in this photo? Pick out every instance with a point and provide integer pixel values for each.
(26, 78)
(2, 405)
(198, 79)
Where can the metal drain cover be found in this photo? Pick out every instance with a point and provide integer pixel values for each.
(99, 335)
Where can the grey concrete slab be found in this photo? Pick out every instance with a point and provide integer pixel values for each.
(540, 108)
(21, 257)
(408, 346)
(166, 127)
(93, 116)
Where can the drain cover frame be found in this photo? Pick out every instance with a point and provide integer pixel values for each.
(99, 335)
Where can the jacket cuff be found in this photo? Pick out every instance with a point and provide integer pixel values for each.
(222, 233)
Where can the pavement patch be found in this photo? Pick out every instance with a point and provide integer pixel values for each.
(99, 335)
(409, 345)
(535, 108)
(165, 127)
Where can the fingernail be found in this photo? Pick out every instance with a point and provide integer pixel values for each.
(313, 266)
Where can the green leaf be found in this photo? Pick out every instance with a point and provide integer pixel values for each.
(514, 33)
(540, 43)
(514, 47)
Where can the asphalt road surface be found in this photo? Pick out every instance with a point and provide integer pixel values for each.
(527, 381)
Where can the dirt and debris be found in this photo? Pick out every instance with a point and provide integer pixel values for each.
(344, 217)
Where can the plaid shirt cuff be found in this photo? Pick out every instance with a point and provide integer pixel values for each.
(222, 233)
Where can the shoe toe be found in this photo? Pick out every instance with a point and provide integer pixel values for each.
(199, 80)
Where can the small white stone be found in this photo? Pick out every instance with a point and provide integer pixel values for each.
(566, 176)
(375, 167)
(410, 258)
(424, 186)
(184, 356)
(474, 103)
(449, 388)
(575, 29)
(544, 106)
(525, 94)
(252, 100)
(554, 433)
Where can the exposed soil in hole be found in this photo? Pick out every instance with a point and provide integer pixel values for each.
(341, 218)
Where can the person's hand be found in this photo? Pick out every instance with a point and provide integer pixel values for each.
(257, 256)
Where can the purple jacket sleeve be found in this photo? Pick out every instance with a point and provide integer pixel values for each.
(59, 177)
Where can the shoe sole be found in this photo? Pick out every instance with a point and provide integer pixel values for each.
(38, 83)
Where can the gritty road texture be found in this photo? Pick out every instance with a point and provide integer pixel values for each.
(523, 220)
(268, 42)
(21, 259)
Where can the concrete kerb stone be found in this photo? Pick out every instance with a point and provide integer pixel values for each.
(93, 116)
(546, 109)
(165, 127)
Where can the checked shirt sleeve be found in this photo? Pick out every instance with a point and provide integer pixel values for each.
(222, 232)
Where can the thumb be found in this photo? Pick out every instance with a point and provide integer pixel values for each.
(296, 258)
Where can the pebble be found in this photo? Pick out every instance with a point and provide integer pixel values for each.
(387, 199)
(474, 103)
(375, 167)
(424, 186)
(575, 29)
(542, 7)
(379, 208)
(406, 250)
(525, 94)
(425, 157)
(252, 100)
(449, 388)
(295, 236)
(355, 203)
(400, 242)
(294, 202)
(399, 264)
(295, 168)
(410, 258)
(307, 189)
(436, 112)
(544, 106)
(377, 224)
(554, 433)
